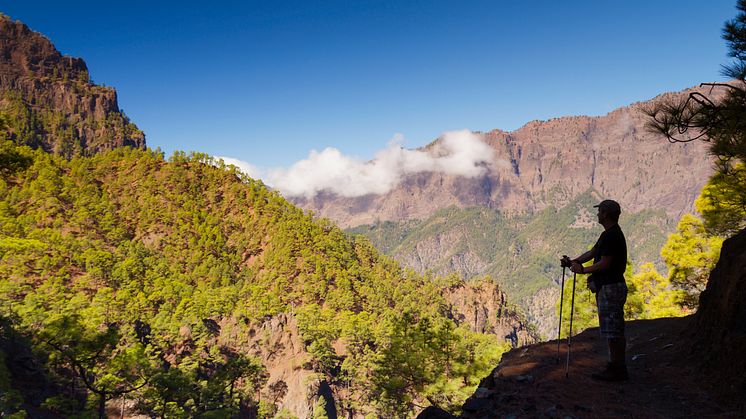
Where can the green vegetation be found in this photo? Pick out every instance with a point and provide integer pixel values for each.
(522, 252)
(65, 132)
(122, 268)
(690, 254)
(719, 121)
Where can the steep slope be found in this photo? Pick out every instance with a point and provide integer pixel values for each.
(207, 270)
(518, 252)
(50, 101)
(195, 286)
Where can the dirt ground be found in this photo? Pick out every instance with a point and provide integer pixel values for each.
(665, 381)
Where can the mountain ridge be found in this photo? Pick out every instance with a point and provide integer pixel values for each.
(50, 101)
(546, 166)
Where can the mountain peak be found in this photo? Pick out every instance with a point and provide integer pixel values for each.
(29, 53)
(50, 102)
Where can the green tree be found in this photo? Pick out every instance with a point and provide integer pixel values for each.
(690, 254)
(722, 202)
(716, 115)
(106, 367)
(651, 296)
(319, 409)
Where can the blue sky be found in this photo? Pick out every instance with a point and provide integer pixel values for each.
(268, 81)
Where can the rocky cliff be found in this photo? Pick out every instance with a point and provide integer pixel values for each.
(50, 102)
(547, 163)
(485, 309)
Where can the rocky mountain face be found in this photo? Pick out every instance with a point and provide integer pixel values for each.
(547, 163)
(291, 382)
(534, 203)
(679, 367)
(50, 102)
(485, 309)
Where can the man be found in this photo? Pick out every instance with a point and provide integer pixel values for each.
(606, 279)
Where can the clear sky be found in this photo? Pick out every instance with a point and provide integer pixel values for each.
(268, 81)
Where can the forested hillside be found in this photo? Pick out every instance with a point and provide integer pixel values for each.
(519, 252)
(136, 277)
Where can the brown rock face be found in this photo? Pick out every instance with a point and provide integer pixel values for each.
(547, 163)
(277, 342)
(50, 101)
(719, 330)
(485, 309)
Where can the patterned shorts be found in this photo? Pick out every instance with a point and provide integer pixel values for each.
(610, 301)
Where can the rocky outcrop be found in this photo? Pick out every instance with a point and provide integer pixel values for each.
(484, 308)
(547, 163)
(50, 101)
(719, 329)
(291, 383)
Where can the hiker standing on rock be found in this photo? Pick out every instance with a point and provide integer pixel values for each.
(606, 280)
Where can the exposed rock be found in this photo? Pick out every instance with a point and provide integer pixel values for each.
(719, 326)
(51, 102)
(541, 309)
(485, 309)
(277, 342)
(432, 412)
(549, 163)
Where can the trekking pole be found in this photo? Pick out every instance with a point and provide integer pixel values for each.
(559, 326)
(569, 336)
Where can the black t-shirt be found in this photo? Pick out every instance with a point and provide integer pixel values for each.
(611, 243)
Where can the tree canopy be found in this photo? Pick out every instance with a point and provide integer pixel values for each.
(716, 114)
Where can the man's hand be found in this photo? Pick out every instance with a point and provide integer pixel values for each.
(576, 267)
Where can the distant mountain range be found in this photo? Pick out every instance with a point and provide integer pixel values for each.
(550, 163)
(534, 203)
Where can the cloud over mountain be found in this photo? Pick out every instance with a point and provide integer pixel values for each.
(458, 153)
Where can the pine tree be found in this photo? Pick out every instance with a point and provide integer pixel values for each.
(718, 116)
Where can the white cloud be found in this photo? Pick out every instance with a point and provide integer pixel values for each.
(243, 166)
(458, 153)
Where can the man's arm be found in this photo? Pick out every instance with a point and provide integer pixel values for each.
(600, 266)
(585, 257)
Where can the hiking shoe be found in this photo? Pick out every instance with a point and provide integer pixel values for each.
(612, 373)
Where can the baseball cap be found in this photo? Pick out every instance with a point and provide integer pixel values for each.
(609, 205)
